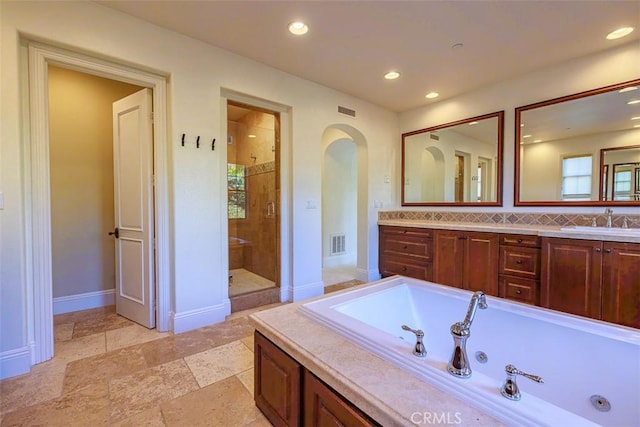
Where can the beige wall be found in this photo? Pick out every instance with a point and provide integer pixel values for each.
(81, 162)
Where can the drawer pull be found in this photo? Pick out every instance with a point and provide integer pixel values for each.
(608, 251)
(404, 268)
(598, 250)
(518, 261)
(519, 240)
(518, 292)
(405, 247)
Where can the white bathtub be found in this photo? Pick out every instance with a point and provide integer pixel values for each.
(577, 358)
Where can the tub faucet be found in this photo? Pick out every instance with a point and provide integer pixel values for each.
(609, 213)
(510, 388)
(459, 364)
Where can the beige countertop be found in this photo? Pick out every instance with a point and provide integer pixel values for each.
(386, 393)
(598, 233)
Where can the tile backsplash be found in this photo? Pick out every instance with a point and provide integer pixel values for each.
(553, 219)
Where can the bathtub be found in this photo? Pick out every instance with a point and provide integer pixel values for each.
(580, 360)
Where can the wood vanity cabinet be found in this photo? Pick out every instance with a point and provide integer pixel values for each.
(519, 268)
(466, 260)
(406, 251)
(290, 395)
(592, 278)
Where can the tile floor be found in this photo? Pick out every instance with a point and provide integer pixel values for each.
(244, 281)
(109, 371)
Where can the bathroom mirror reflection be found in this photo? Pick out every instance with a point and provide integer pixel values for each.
(458, 163)
(623, 163)
(580, 149)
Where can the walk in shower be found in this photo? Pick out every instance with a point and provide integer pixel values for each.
(253, 205)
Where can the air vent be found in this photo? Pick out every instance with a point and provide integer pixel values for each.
(348, 111)
(434, 136)
(337, 244)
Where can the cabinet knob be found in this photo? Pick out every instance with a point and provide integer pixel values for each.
(518, 292)
(518, 261)
(519, 240)
(608, 251)
(405, 247)
(404, 268)
(598, 250)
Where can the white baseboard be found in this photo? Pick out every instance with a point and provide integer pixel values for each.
(302, 292)
(194, 319)
(84, 301)
(367, 275)
(15, 362)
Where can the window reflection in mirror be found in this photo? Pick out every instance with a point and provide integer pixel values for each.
(457, 163)
(565, 148)
(624, 185)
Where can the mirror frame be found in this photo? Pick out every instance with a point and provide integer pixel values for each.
(517, 159)
(499, 161)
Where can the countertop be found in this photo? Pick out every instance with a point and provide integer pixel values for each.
(598, 233)
(383, 391)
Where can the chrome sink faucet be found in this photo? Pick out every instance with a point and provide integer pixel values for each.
(609, 213)
(459, 363)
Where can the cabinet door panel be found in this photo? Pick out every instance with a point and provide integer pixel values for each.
(276, 383)
(621, 284)
(481, 262)
(324, 407)
(571, 276)
(448, 250)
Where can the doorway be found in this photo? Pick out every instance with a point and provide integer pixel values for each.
(253, 195)
(81, 157)
(37, 203)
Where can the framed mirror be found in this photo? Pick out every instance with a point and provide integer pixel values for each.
(458, 163)
(579, 150)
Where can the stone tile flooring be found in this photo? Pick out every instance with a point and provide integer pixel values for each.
(109, 371)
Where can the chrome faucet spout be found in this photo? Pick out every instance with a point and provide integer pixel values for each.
(609, 214)
(460, 331)
(478, 300)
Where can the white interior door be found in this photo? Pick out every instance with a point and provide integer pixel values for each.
(133, 192)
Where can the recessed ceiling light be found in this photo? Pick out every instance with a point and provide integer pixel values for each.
(526, 136)
(457, 46)
(392, 75)
(633, 102)
(473, 123)
(251, 135)
(635, 118)
(537, 140)
(298, 28)
(636, 126)
(432, 95)
(628, 89)
(620, 32)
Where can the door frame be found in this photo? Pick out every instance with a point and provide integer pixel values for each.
(37, 200)
(286, 223)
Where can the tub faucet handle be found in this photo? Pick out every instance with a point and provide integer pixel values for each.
(419, 349)
(510, 388)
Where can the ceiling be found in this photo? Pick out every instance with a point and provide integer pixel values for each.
(352, 44)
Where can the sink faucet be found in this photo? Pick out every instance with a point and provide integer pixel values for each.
(609, 213)
(459, 364)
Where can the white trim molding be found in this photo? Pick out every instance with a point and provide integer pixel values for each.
(367, 275)
(194, 319)
(37, 183)
(309, 290)
(84, 301)
(15, 362)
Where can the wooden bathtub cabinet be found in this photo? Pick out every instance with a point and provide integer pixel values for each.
(466, 260)
(288, 394)
(621, 283)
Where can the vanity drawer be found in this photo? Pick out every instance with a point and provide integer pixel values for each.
(390, 265)
(388, 230)
(519, 289)
(522, 240)
(403, 245)
(524, 262)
